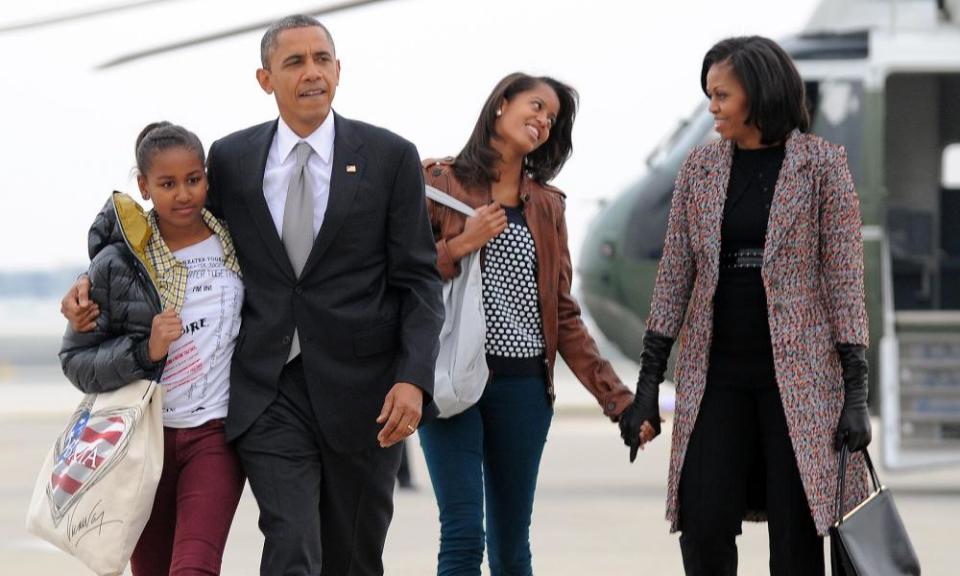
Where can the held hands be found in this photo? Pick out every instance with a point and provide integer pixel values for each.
(401, 413)
(77, 307)
(486, 224)
(853, 429)
(165, 330)
(640, 422)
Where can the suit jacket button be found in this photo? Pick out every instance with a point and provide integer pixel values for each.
(298, 290)
(286, 340)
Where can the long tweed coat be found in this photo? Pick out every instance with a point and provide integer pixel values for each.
(813, 275)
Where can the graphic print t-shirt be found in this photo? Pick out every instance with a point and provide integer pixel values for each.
(196, 377)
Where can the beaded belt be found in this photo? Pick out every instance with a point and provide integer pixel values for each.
(743, 258)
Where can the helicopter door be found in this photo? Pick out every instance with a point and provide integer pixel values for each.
(920, 349)
(920, 124)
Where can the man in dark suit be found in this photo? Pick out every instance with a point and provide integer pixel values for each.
(334, 362)
(317, 433)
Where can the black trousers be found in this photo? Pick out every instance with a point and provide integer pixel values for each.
(321, 512)
(740, 450)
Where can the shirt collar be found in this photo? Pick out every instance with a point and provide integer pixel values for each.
(321, 140)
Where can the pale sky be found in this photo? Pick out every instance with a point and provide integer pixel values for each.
(421, 68)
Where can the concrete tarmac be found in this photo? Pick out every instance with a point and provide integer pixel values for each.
(594, 514)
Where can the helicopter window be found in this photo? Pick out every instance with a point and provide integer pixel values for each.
(838, 101)
(680, 137)
(836, 112)
(651, 208)
(653, 194)
(951, 166)
(950, 227)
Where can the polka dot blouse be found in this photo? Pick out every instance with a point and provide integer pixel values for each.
(510, 300)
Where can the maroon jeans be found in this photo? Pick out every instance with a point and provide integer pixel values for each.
(198, 494)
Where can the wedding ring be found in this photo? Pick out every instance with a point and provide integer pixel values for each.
(411, 429)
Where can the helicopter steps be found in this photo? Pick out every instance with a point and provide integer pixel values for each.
(927, 398)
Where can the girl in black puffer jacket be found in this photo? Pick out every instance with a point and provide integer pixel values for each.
(169, 292)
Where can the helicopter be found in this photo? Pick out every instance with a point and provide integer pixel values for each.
(883, 79)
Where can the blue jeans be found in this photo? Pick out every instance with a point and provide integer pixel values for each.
(491, 450)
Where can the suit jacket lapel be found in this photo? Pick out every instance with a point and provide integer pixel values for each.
(790, 194)
(252, 167)
(346, 172)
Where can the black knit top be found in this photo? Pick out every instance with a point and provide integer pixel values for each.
(741, 354)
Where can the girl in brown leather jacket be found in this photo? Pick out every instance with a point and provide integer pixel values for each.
(490, 454)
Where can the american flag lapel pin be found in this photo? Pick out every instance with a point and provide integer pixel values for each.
(351, 168)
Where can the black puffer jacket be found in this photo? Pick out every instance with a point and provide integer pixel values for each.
(122, 284)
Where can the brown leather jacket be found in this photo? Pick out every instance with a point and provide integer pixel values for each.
(563, 330)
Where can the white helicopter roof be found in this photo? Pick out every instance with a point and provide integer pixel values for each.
(901, 36)
(850, 15)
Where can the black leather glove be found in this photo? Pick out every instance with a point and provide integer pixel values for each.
(853, 429)
(645, 406)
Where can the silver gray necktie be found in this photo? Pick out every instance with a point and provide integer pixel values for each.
(297, 232)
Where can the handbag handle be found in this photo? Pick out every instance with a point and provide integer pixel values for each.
(842, 478)
(449, 201)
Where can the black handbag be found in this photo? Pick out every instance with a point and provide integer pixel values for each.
(870, 540)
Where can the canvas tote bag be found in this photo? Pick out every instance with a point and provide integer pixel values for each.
(461, 372)
(96, 487)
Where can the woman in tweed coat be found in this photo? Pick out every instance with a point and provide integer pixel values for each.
(764, 222)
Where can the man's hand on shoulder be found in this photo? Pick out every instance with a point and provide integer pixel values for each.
(77, 307)
(402, 409)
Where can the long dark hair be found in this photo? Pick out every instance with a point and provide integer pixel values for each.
(775, 92)
(475, 165)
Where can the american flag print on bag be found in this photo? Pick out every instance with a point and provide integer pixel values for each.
(86, 450)
(95, 489)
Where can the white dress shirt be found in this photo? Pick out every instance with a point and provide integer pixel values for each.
(280, 164)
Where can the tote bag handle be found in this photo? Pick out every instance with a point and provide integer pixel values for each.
(842, 478)
(449, 201)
